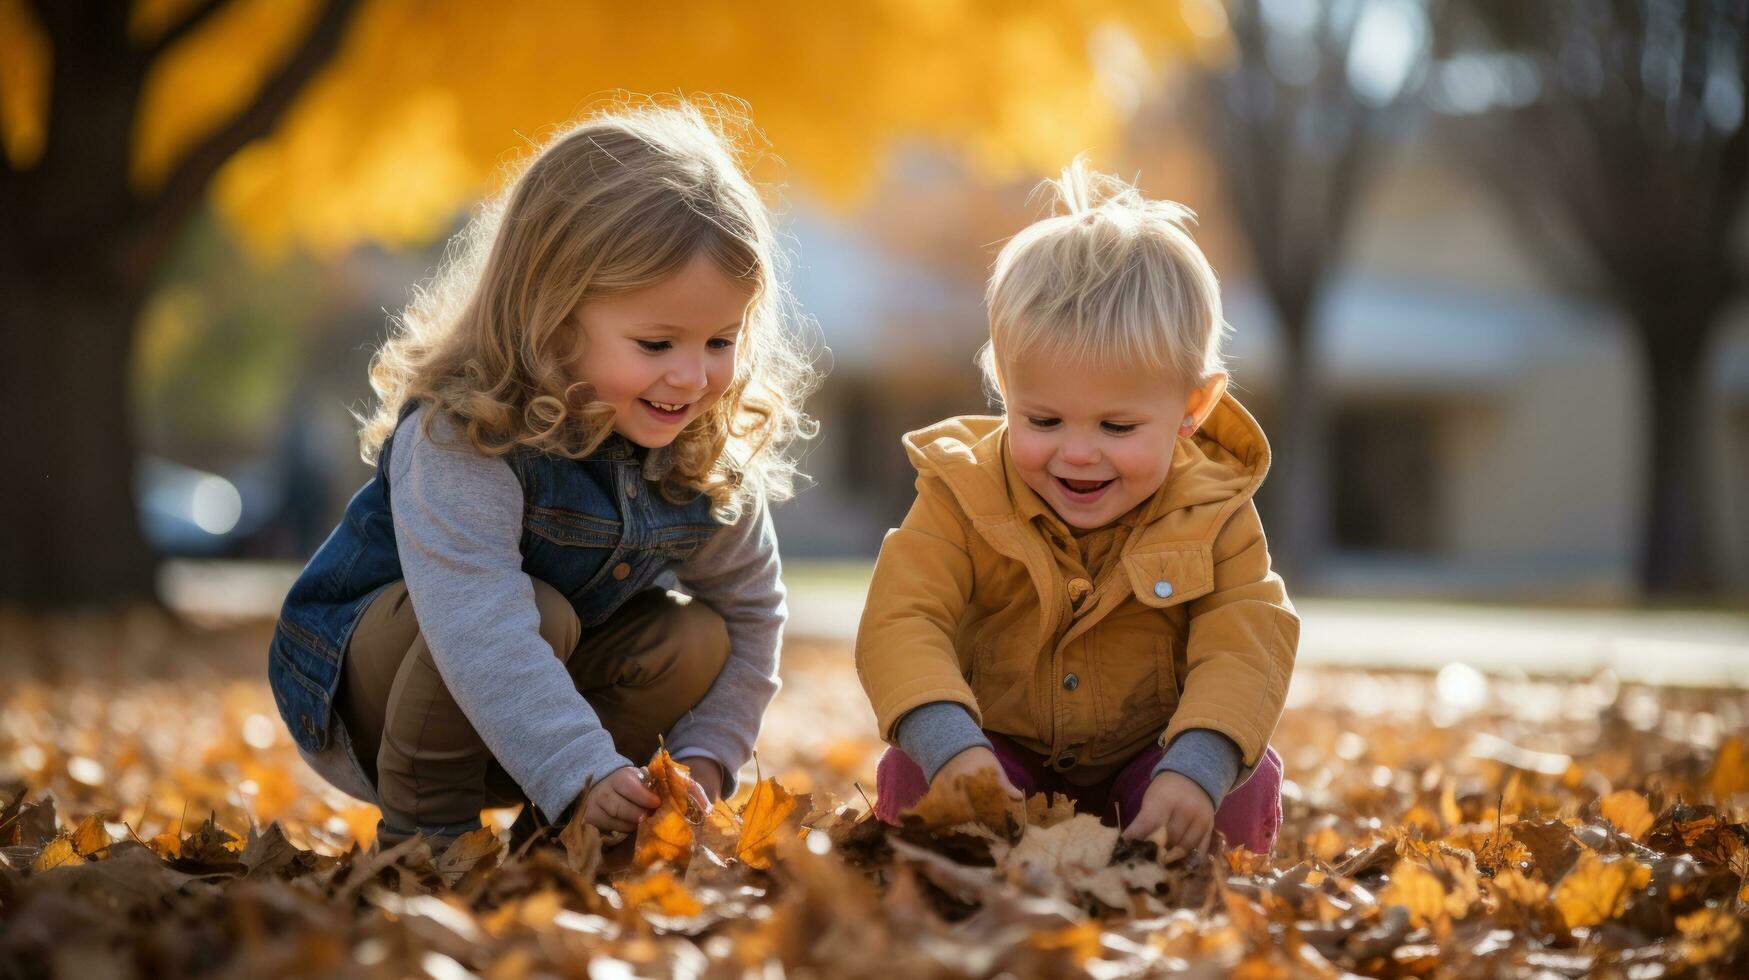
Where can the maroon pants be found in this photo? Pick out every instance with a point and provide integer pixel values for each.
(1250, 815)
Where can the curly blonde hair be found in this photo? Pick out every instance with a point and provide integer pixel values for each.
(616, 203)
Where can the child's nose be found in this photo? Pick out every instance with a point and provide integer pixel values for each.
(688, 374)
(1078, 453)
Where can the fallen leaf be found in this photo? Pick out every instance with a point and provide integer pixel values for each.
(474, 849)
(90, 837)
(663, 890)
(975, 798)
(1628, 812)
(1598, 889)
(666, 835)
(1417, 890)
(1729, 774)
(582, 843)
(765, 817)
(58, 854)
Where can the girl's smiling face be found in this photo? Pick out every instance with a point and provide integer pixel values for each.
(661, 356)
(1094, 443)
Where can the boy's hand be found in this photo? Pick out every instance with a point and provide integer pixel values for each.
(618, 802)
(970, 761)
(1177, 804)
(707, 781)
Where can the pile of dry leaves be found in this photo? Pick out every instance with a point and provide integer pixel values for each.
(1458, 826)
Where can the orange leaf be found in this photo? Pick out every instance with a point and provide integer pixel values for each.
(1730, 772)
(667, 835)
(1628, 812)
(90, 837)
(976, 798)
(1416, 889)
(664, 890)
(762, 821)
(1597, 890)
(59, 853)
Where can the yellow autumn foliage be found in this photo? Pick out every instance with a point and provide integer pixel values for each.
(426, 100)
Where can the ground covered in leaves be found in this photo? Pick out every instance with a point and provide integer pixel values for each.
(155, 820)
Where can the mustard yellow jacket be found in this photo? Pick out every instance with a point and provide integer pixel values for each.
(1187, 627)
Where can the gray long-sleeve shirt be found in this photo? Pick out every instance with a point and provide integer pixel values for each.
(458, 524)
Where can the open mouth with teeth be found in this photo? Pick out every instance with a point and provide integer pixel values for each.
(1082, 489)
(665, 411)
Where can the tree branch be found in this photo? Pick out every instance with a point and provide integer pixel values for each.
(162, 216)
(190, 22)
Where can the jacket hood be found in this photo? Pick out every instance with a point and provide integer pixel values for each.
(1223, 463)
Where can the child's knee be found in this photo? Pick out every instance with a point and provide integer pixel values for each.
(681, 647)
(558, 620)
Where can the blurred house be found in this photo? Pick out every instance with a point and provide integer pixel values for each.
(1488, 429)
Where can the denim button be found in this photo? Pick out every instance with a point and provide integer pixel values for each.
(1163, 589)
(621, 570)
(1071, 682)
(632, 491)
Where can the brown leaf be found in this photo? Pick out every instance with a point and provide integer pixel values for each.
(667, 834)
(582, 842)
(474, 849)
(763, 820)
(1551, 846)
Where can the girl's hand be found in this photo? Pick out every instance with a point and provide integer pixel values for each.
(970, 761)
(618, 802)
(1179, 805)
(707, 781)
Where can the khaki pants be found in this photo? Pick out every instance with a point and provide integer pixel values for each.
(641, 671)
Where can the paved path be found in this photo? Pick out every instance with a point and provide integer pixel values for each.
(1701, 649)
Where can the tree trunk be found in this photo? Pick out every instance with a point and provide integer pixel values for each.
(1675, 557)
(1300, 481)
(69, 486)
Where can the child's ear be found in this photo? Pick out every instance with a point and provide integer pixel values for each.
(1202, 402)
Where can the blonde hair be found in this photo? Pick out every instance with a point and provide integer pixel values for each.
(616, 203)
(1108, 278)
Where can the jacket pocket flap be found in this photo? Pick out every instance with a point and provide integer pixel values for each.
(1169, 575)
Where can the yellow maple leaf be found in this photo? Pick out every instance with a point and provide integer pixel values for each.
(762, 823)
(1598, 889)
(1628, 812)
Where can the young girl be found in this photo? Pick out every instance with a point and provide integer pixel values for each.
(1081, 597)
(588, 409)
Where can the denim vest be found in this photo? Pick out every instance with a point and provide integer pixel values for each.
(597, 529)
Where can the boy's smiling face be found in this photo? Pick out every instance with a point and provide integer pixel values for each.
(1095, 442)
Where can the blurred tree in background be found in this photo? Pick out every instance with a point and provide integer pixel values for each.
(1299, 114)
(1616, 134)
(319, 124)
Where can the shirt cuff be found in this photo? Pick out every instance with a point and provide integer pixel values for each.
(1207, 758)
(933, 733)
(699, 752)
